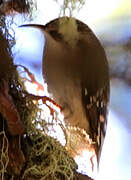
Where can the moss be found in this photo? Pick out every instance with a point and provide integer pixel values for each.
(47, 159)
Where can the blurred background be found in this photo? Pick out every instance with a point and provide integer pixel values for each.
(111, 22)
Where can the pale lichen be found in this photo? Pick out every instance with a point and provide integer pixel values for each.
(69, 6)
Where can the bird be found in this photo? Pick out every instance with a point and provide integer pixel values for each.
(76, 71)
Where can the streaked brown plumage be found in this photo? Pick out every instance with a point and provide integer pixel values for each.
(78, 78)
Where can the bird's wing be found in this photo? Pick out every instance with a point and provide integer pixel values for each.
(95, 84)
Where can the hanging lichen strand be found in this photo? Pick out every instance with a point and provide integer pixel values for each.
(69, 6)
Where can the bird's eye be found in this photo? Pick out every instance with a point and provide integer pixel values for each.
(55, 34)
